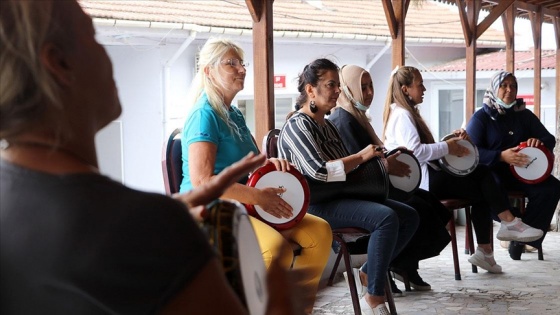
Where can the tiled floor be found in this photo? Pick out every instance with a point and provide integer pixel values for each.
(528, 286)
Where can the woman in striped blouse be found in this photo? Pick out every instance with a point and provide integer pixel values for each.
(313, 145)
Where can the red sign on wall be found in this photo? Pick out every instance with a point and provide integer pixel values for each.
(279, 81)
(529, 99)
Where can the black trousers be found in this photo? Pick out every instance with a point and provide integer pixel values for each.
(543, 198)
(486, 195)
(431, 237)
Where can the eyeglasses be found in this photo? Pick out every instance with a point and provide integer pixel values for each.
(235, 63)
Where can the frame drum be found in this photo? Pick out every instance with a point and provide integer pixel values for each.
(539, 167)
(411, 182)
(296, 194)
(230, 232)
(460, 166)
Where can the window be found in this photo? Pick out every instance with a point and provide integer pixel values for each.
(282, 107)
(451, 105)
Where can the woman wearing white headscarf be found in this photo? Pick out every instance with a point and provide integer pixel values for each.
(497, 129)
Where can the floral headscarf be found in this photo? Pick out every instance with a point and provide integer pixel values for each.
(491, 94)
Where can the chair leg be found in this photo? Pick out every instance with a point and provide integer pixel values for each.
(404, 276)
(389, 296)
(469, 239)
(469, 235)
(540, 252)
(339, 240)
(351, 281)
(453, 234)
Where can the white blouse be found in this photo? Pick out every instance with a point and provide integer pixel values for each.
(401, 131)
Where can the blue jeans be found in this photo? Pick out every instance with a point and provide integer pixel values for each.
(391, 224)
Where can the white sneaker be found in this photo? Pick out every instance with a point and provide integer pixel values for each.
(359, 286)
(380, 309)
(485, 261)
(518, 231)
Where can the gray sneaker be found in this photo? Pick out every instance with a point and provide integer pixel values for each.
(518, 231)
(485, 261)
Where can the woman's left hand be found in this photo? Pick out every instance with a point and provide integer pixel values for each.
(534, 142)
(281, 164)
(462, 133)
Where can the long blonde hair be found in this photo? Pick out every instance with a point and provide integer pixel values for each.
(211, 55)
(27, 90)
(404, 76)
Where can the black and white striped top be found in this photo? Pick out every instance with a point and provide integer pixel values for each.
(310, 146)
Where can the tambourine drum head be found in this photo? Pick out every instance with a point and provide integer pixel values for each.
(411, 182)
(539, 168)
(253, 270)
(464, 165)
(296, 194)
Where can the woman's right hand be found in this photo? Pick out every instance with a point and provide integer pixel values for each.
(512, 156)
(370, 152)
(270, 200)
(455, 148)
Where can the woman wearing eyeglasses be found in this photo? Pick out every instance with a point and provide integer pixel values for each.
(215, 136)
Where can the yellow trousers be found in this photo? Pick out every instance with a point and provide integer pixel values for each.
(314, 235)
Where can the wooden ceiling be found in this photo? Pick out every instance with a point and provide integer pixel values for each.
(550, 8)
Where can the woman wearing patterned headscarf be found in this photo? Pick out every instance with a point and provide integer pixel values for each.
(353, 124)
(404, 126)
(497, 129)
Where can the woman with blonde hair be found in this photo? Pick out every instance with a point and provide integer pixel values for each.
(215, 135)
(404, 126)
(353, 123)
(73, 241)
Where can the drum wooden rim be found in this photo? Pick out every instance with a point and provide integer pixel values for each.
(516, 171)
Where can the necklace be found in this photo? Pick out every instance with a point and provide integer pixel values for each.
(4, 145)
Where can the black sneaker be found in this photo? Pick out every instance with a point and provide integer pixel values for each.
(395, 289)
(515, 250)
(416, 281)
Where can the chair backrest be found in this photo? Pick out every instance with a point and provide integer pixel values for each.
(270, 144)
(172, 162)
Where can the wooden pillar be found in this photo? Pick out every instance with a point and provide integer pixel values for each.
(508, 20)
(556, 23)
(263, 65)
(536, 24)
(468, 12)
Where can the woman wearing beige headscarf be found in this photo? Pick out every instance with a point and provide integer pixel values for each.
(351, 118)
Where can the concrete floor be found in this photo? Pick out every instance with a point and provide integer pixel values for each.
(528, 286)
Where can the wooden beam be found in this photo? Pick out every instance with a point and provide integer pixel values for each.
(508, 20)
(255, 9)
(391, 19)
(467, 33)
(263, 67)
(536, 25)
(395, 13)
(493, 16)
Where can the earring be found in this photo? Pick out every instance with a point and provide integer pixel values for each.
(409, 97)
(313, 107)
